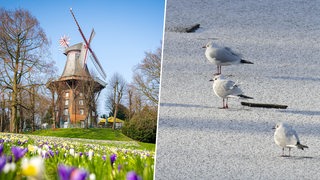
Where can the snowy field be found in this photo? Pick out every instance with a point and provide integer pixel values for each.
(196, 139)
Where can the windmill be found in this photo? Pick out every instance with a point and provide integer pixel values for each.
(77, 91)
(93, 56)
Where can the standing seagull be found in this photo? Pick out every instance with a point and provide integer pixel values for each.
(286, 137)
(225, 89)
(223, 56)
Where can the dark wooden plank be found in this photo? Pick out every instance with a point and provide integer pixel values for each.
(193, 28)
(260, 105)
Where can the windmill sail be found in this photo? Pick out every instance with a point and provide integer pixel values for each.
(87, 43)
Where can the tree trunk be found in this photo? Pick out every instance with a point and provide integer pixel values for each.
(13, 118)
(53, 111)
(115, 116)
(20, 115)
(3, 113)
(33, 108)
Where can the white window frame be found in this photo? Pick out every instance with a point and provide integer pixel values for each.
(81, 111)
(66, 111)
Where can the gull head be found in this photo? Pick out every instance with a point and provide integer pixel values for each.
(208, 45)
(216, 77)
(278, 125)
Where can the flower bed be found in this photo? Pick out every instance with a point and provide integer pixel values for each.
(36, 157)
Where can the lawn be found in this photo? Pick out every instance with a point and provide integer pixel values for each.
(102, 134)
(29, 156)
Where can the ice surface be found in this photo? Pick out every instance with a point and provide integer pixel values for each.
(196, 139)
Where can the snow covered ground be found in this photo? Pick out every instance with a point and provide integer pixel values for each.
(196, 139)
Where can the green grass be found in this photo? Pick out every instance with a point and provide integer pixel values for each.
(148, 146)
(92, 133)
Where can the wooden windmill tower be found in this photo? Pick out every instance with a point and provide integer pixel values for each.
(77, 89)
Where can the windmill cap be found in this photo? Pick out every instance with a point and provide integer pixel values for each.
(76, 47)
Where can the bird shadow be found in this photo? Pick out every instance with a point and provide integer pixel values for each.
(296, 157)
(301, 112)
(184, 105)
(296, 78)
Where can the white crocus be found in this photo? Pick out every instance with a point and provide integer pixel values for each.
(92, 176)
(33, 168)
(90, 154)
(71, 151)
(9, 167)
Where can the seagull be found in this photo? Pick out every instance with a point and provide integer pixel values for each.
(223, 56)
(225, 89)
(286, 137)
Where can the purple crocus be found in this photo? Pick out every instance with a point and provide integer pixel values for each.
(133, 176)
(49, 154)
(119, 167)
(71, 173)
(3, 160)
(9, 159)
(113, 158)
(78, 174)
(1, 149)
(18, 153)
(64, 171)
(104, 157)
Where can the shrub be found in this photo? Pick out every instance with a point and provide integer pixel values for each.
(143, 126)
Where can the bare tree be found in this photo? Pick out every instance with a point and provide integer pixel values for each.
(134, 101)
(23, 47)
(118, 85)
(147, 76)
(92, 90)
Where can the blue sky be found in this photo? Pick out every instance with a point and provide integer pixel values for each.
(125, 29)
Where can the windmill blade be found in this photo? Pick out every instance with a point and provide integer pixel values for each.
(88, 45)
(94, 59)
(91, 36)
(98, 66)
(83, 37)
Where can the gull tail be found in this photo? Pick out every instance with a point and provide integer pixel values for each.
(300, 146)
(245, 61)
(244, 96)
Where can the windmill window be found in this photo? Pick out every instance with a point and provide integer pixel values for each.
(77, 55)
(66, 112)
(81, 112)
(66, 102)
(81, 94)
(67, 94)
(81, 102)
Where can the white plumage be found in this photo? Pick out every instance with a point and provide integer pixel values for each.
(286, 137)
(225, 89)
(222, 56)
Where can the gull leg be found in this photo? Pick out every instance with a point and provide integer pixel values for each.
(223, 104)
(289, 151)
(226, 102)
(218, 69)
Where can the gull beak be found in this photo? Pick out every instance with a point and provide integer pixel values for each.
(211, 80)
(273, 127)
(204, 46)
